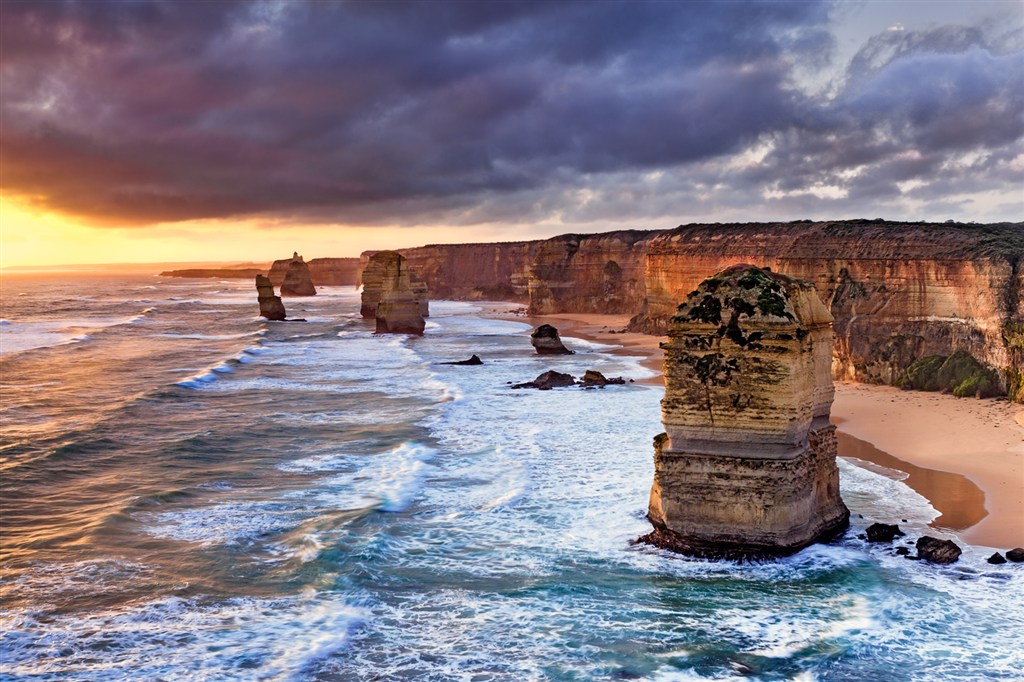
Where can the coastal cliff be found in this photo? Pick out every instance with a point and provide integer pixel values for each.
(323, 271)
(897, 291)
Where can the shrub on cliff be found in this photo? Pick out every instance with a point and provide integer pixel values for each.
(959, 373)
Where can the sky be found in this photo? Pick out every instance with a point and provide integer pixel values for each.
(163, 130)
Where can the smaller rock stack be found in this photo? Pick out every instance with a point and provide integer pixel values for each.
(271, 306)
(392, 295)
(546, 342)
(297, 279)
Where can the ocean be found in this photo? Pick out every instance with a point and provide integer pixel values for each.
(190, 492)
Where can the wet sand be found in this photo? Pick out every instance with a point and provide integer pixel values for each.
(966, 456)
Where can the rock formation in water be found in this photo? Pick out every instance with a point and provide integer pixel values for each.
(271, 306)
(594, 379)
(546, 342)
(746, 466)
(937, 551)
(898, 291)
(323, 271)
(548, 380)
(473, 360)
(883, 532)
(389, 271)
(297, 279)
(1016, 555)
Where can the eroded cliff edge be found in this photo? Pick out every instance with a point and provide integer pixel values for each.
(897, 291)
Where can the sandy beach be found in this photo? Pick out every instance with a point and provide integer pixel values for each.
(965, 456)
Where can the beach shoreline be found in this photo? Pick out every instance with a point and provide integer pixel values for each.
(950, 448)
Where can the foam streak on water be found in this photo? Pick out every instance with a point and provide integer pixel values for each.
(196, 494)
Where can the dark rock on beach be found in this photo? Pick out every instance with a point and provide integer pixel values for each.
(937, 551)
(549, 380)
(1016, 555)
(546, 342)
(996, 558)
(883, 532)
(475, 360)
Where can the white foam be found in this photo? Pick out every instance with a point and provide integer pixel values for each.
(401, 475)
(181, 639)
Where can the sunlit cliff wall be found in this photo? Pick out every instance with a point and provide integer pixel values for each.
(324, 271)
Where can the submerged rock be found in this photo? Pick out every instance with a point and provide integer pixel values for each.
(297, 279)
(883, 532)
(996, 558)
(937, 551)
(271, 306)
(747, 464)
(548, 380)
(475, 360)
(1016, 555)
(546, 342)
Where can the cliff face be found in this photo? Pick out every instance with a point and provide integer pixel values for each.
(470, 271)
(589, 273)
(323, 271)
(897, 292)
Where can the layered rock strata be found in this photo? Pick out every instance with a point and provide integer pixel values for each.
(297, 279)
(898, 291)
(271, 306)
(323, 271)
(746, 466)
(392, 295)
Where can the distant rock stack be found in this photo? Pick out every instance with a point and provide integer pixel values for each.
(392, 296)
(297, 279)
(546, 342)
(746, 467)
(271, 306)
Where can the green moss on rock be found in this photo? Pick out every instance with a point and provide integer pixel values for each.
(959, 373)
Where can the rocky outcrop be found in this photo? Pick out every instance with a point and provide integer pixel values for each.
(746, 466)
(594, 379)
(271, 306)
(548, 380)
(322, 271)
(1016, 555)
(996, 558)
(392, 296)
(297, 279)
(546, 342)
(473, 360)
(937, 551)
(883, 532)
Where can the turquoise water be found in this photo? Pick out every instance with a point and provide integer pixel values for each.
(192, 493)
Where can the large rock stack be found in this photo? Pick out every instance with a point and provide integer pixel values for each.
(297, 279)
(746, 466)
(392, 295)
(271, 306)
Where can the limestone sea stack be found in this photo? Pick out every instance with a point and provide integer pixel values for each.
(297, 279)
(546, 342)
(382, 272)
(271, 306)
(391, 295)
(746, 467)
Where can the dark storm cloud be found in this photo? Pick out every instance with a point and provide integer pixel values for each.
(462, 112)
